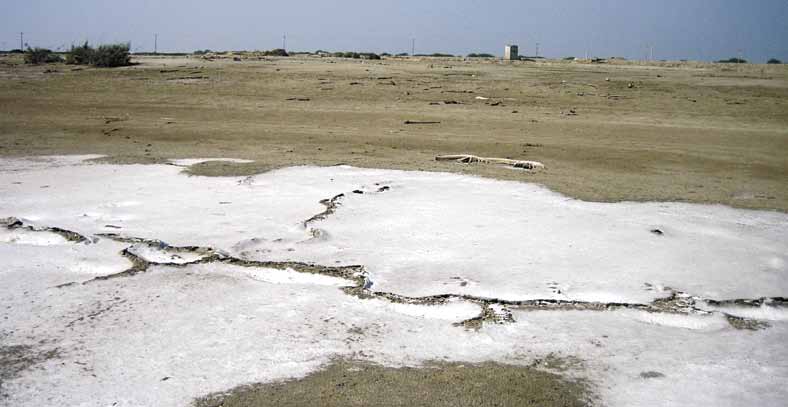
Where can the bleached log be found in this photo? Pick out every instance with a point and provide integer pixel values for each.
(472, 159)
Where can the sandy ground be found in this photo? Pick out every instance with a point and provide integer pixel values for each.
(682, 132)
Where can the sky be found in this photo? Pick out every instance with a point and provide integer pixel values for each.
(676, 29)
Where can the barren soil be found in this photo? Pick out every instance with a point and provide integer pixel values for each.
(709, 133)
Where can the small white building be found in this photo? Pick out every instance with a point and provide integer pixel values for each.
(511, 53)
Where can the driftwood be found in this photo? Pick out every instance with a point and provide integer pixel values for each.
(472, 159)
(417, 122)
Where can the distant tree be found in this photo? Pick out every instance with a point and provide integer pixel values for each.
(481, 55)
(774, 61)
(732, 61)
(403, 54)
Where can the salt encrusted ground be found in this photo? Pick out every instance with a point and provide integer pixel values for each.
(218, 289)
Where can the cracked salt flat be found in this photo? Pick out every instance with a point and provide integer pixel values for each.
(163, 256)
(29, 237)
(515, 239)
(211, 327)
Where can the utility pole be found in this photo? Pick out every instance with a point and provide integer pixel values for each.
(651, 53)
(22, 41)
(537, 49)
(155, 43)
(413, 48)
(284, 42)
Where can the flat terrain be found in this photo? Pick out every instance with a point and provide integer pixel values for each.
(503, 293)
(708, 133)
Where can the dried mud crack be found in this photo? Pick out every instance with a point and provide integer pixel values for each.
(493, 310)
(16, 223)
(331, 206)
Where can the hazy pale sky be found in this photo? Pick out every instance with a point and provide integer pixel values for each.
(677, 29)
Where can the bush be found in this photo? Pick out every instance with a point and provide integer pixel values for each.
(112, 55)
(774, 61)
(481, 56)
(81, 55)
(354, 55)
(403, 54)
(436, 55)
(202, 52)
(37, 56)
(279, 52)
(105, 56)
(733, 61)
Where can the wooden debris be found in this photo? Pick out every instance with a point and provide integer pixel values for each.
(472, 159)
(417, 122)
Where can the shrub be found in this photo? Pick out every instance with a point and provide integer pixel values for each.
(354, 55)
(436, 55)
(112, 55)
(202, 52)
(733, 61)
(105, 56)
(279, 52)
(82, 55)
(403, 54)
(37, 56)
(481, 56)
(774, 61)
